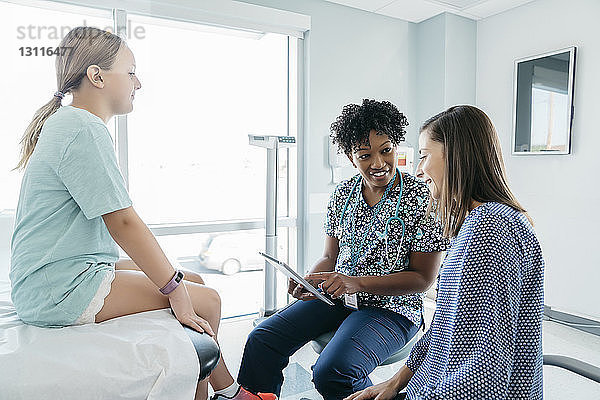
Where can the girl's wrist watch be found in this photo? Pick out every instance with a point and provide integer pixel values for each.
(173, 283)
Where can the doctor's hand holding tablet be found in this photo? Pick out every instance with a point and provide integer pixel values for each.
(293, 276)
(333, 284)
(298, 291)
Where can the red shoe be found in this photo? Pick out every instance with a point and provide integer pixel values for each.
(244, 394)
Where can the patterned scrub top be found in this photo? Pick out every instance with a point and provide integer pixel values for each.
(421, 234)
(485, 341)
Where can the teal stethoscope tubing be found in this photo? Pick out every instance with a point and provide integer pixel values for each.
(387, 224)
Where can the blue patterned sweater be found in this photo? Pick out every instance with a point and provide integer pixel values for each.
(485, 341)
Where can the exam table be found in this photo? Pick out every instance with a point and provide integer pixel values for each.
(141, 356)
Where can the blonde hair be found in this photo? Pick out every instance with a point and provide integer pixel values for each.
(474, 165)
(82, 46)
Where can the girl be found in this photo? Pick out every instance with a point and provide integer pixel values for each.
(74, 209)
(485, 341)
(381, 253)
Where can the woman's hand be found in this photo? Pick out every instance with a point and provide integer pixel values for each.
(298, 291)
(184, 311)
(384, 391)
(336, 284)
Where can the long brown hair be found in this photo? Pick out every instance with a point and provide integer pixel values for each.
(474, 165)
(82, 46)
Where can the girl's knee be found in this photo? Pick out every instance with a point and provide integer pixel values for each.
(207, 301)
(214, 298)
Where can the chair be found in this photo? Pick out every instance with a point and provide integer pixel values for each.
(576, 366)
(320, 342)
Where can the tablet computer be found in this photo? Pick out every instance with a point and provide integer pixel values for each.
(290, 273)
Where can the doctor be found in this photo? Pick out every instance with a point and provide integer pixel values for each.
(381, 253)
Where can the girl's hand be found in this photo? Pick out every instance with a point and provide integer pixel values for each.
(184, 311)
(336, 284)
(384, 391)
(298, 291)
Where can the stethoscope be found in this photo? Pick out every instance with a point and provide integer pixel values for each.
(384, 235)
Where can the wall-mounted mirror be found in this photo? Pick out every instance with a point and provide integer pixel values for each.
(543, 103)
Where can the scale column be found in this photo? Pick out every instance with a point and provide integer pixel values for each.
(270, 301)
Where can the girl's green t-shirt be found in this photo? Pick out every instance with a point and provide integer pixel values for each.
(61, 249)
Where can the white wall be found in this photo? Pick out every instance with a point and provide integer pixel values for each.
(352, 55)
(431, 59)
(461, 60)
(446, 64)
(561, 192)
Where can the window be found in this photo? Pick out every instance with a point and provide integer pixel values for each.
(192, 174)
(229, 261)
(189, 157)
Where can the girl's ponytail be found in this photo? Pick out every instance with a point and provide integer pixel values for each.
(30, 137)
(82, 46)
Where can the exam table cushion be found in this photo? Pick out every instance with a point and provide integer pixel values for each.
(141, 356)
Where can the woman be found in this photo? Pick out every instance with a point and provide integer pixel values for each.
(381, 253)
(485, 341)
(74, 210)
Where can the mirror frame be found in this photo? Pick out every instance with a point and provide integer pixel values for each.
(571, 86)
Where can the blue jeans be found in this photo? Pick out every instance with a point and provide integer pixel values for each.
(363, 340)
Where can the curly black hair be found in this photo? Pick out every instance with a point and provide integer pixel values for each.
(351, 129)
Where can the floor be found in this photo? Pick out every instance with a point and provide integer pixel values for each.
(559, 384)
